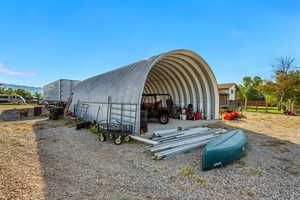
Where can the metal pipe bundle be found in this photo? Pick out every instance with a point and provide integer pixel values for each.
(181, 134)
(180, 149)
(160, 147)
(170, 142)
(169, 132)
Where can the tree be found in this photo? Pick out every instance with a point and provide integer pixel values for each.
(286, 80)
(285, 83)
(243, 94)
(23, 93)
(284, 64)
(249, 89)
(266, 89)
(2, 89)
(10, 91)
(38, 95)
(270, 99)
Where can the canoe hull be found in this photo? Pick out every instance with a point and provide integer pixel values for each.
(224, 149)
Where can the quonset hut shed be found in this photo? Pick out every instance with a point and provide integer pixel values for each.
(181, 73)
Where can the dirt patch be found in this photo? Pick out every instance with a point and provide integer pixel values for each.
(20, 169)
(277, 126)
(11, 107)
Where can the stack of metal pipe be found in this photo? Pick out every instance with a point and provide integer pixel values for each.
(166, 143)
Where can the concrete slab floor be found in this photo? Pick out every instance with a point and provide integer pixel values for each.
(174, 123)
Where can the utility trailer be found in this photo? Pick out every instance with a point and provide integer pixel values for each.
(59, 91)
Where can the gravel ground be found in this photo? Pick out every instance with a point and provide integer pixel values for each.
(74, 165)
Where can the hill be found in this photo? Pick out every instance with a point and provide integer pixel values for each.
(28, 88)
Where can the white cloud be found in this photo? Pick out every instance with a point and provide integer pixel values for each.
(8, 71)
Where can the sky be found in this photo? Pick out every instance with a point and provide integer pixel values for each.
(42, 41)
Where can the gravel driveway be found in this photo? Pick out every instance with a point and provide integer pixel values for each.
(76, 166)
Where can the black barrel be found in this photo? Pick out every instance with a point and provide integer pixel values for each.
(144, 120)
(37, 111)
(56, 113)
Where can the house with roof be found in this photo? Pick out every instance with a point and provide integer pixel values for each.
(227, 93)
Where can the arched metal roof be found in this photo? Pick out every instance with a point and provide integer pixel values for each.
(181, 73)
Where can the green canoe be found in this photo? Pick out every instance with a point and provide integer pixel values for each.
(224, 149)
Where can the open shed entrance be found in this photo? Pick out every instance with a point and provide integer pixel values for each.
(184, 80)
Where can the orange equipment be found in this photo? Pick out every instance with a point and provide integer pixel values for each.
(233, 115)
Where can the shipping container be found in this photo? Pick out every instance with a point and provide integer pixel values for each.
(60, 90)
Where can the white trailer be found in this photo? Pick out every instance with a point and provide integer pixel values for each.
(60, 90)
(6, 98)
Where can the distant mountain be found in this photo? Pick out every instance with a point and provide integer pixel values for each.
(28, 88)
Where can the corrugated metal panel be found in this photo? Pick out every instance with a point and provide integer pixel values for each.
(66, 88)
(181, 73)
(59, 90)
(51, 91)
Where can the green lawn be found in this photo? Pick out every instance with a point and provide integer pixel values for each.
(262, 109)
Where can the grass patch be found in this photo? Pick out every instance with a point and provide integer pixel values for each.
(186, 171)
(70, 123)
(94, 130)
(251, 171)
(159, 168)
(262, 109)
(131, 141)
(201, 179)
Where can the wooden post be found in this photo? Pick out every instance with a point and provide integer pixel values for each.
(289, 105)
(241, 105)
(256, 105)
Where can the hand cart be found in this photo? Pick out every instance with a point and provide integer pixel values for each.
(117, 132)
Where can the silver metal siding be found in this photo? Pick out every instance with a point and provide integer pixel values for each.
(51, 91)
(59, 90)
(181, 73)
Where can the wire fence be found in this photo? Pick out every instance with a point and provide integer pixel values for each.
(108, 112)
